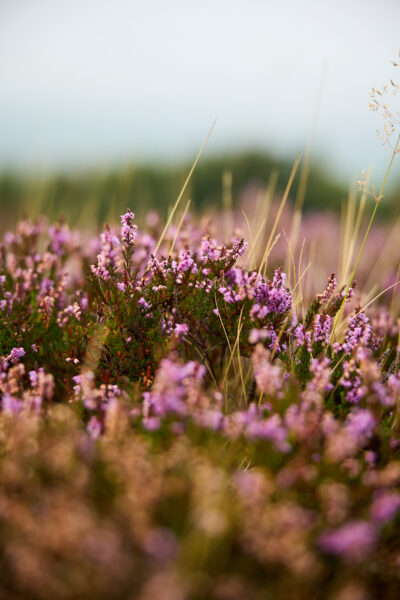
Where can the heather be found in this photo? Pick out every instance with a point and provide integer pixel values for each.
(182, 418)
(204, 405)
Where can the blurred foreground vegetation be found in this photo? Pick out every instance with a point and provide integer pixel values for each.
(95, 197)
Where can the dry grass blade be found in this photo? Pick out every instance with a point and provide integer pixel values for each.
(179, 226)
(356, 229)
(239, 329)
(168, 223)
(264, 261)
(377, 202)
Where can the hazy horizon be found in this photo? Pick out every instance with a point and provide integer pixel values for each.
(97, 84)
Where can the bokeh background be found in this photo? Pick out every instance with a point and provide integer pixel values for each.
(105, 104)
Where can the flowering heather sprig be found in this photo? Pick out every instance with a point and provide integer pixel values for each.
(352, 381)
(361, 423)
(62, 239)
(271, 297)
(97, 401)
(109, 257)
(210, 251)
(128, 230)
(299, 335)
(271, 428)
(72, 310)
(322, 328)
(321, 375)
(186, 263)
(181, 330)
(268, 376)
(329, 290)
(176, 388)
(345, 441)
(16, 354)
(358, 332)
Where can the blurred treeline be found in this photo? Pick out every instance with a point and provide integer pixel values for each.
(98, 197)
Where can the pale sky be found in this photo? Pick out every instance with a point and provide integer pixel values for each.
(87, 83)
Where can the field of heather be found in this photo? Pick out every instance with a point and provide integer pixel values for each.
(206, 408)
(199, 361)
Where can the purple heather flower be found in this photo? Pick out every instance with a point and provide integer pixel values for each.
(174, 384)
(321, 376)
(329, 290)
(33, 378)
(385, 506)
(186, 263)
(94, 428)
(128, 231)
(62, 239)
(267, 375)
(269, 429)
(181, 330)
(351, 380)
(361, 424)
(371, 458)
(271, 297)
(251, 485)
(209, 419)
(108, 258)
(353, 541)
(11, 404)
(299, 335)
(257, 335)
(16, 354)
(358, 332)
(151, 423)
(322, 328)
(143, 304)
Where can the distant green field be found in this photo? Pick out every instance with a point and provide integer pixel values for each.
(96, 197)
